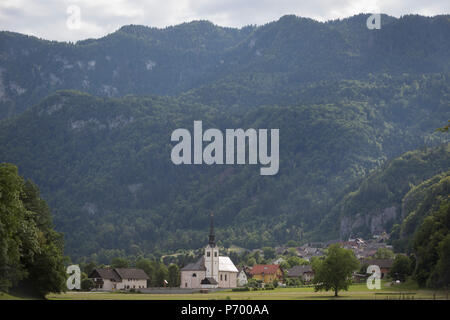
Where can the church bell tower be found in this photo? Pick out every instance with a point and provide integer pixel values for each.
(212, 254)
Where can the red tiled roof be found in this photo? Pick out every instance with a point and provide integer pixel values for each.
(264, 268)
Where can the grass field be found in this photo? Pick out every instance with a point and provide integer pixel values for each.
(405, 291)
(355, 292)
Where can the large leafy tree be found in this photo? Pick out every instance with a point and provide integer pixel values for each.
(119, 262)
(335, 270)
(148, 267)
(12, 236)
(30, 250)
(173, 275)
(401, 268)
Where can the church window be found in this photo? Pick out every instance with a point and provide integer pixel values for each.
(220, 277)
(208, 254)
(194, 275)
(215, 254)
(225, 277)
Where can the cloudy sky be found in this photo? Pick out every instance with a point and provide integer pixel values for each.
(71, 20)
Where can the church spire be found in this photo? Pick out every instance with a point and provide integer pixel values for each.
(212, 242)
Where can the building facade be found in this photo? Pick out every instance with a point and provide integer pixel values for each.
(267, 273)
(242, 279)
(110, 279)
(306, 273)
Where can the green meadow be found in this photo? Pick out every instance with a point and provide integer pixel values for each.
(355, 292)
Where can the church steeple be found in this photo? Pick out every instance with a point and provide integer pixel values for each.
(212, 254)
(212, 242)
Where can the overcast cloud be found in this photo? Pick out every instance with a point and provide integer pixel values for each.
(48, 18)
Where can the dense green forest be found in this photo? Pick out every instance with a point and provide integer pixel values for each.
(104, 166)
(31, 252)
(90, 123)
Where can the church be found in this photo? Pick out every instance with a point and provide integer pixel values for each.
(211, 270)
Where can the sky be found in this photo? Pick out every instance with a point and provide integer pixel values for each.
(72, 20)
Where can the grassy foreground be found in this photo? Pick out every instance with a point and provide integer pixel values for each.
(355, 292)
(405, 291)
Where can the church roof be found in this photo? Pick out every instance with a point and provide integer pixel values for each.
(225, 264)
(195, 266)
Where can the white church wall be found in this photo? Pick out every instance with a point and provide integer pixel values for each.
(188, 280)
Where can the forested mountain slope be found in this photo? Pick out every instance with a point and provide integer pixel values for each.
(104, 166)
(389, 196)
(346, 101)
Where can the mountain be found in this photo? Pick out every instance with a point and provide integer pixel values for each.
(347, 101)
(420, 202)
(279, 56)
(104, 167)
(389, 195)
(134, 59)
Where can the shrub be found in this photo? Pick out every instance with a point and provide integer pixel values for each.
(241, 289)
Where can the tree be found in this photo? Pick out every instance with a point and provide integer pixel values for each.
(119, 263)
(46, 271)
(296, 261)
(174, 275)
(269, 252)
(291, 243)
(30, 250)
(148, 268)
(275, 283)
(161, 275)
(430, 246)
(12, 215)
(88, 268)
(87, 284)
(443, 264)
(401, 268)
(251, 261)
(335, 270)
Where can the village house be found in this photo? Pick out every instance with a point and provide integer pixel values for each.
(306, 273)
(306, 252)
(109, 279)
(267, 272)
(210, 271)
(242, 278)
